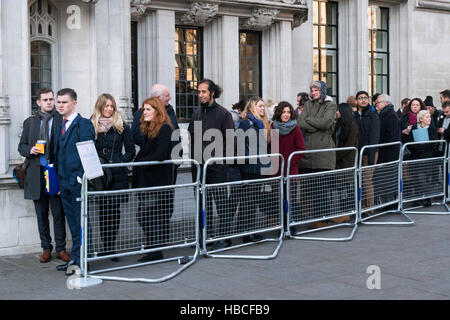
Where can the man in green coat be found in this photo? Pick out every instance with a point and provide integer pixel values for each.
(317, 122)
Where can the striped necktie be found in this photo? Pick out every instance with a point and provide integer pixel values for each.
(63, 128)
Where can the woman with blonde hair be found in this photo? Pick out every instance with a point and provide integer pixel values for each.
(155, 207)
(256, 120)
(111, 135)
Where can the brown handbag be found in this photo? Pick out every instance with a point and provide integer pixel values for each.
(20, 173)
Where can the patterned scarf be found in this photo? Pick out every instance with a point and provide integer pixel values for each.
(104, 124)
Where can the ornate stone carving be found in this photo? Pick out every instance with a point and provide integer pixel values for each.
(261, 18)
(302, 2)
(200, 13)
(299, 19)
(138, 7)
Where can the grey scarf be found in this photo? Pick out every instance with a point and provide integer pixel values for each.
(45, 117)
(43, 132)
(285, 127)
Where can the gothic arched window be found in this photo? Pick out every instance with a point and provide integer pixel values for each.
(42, 37)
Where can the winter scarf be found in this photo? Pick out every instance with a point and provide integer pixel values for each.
(285, 127)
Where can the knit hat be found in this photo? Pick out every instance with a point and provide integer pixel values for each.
(323, 90)
(429, 101)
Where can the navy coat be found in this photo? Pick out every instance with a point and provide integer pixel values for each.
(67, 161)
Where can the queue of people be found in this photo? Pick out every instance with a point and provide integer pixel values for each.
(316, 123)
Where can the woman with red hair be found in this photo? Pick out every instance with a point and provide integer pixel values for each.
(154, 206)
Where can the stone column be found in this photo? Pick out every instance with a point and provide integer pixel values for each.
(156, 52)
(277, 62)
(358, 57)
(221, 57)
(5, 120)
(113, 34)
(15, 83)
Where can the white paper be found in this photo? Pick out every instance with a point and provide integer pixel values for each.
(89, 159)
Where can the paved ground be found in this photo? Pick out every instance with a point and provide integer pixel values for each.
(412, 260)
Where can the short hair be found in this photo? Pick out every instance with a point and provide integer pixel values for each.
(446, 104)
(361, 92)
(375, 97)
(41, 91)
(68, 91)
(240, 106)
(352, 101)
(420, 114)
(386, 98)
(405, 101)
(303, 98)
(212, 87)
(158, 90)
(279, 111)
(446, 93)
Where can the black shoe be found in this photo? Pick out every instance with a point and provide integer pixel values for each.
(67, 265)
(253, 238)
(426, 203)
(221, 244)
(151, 256)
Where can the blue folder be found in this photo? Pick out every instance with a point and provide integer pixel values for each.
(421, 134)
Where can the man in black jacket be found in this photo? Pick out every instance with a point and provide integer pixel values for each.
(389, 129)
(211, 115)
(389, 132)
(41, 127)
(368, 125)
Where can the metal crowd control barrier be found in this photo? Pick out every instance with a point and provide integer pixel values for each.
(380, 187)
(425, 178)
(321, 196)
(224, 222)
(150, 220)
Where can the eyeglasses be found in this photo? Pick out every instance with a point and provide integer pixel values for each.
(363, 98)
(377, 103)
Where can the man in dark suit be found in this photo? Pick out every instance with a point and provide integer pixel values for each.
(41, 127)
(72, 129)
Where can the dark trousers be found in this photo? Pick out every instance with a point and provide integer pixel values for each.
(155, 212)
(218, 195)
(42, 207)
(321, 204)
(72, 209)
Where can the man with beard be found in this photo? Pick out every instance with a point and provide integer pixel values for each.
(368, 125)
(211, 115)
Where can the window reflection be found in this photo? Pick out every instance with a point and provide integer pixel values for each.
(188, 70)
(378, 20)
(325, 42)
(249, 64)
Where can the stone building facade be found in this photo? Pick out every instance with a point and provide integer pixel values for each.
(270, 48)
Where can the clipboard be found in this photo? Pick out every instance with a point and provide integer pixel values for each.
(89, 159)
